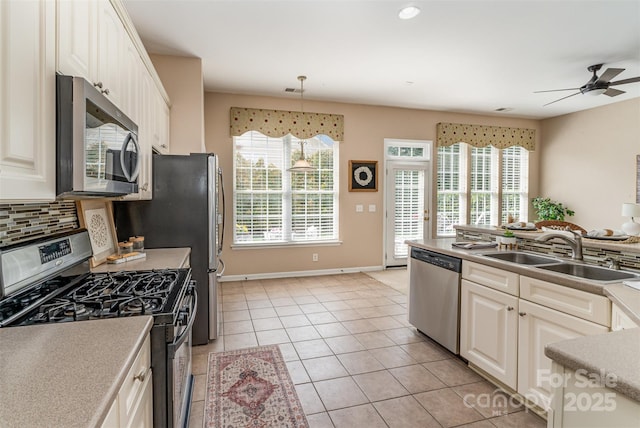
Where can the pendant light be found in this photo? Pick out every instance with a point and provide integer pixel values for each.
(301, 165)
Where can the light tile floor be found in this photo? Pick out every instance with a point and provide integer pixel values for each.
(353, 356)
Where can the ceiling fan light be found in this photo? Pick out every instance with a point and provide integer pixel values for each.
(408, 12)
(595, 92)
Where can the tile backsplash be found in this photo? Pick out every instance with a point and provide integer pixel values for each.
(20, 222)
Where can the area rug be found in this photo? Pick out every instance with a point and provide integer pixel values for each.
(251, 388)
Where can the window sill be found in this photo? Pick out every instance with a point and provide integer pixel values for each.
(263, 245)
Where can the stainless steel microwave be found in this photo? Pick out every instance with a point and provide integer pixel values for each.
(97, 149)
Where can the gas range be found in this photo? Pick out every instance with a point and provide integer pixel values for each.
(96, 296)
(48, 281)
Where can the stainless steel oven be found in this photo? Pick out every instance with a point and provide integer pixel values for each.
(48, 280)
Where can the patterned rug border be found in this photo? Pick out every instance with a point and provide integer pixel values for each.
(213, 400)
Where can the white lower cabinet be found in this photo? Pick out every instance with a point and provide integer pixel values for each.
(133, 406)
(620, 320)
(539, 326)
(504, 335)
(582, 402)
(489, 331)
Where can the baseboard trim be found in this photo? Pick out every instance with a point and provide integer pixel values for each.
(275, 275)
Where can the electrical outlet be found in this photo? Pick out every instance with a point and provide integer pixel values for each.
(314, 257)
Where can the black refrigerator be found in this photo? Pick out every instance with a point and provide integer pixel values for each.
(186, 211)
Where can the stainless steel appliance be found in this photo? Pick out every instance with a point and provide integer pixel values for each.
(48, 281)
(184, 212)
(97, 149)
(434, 296)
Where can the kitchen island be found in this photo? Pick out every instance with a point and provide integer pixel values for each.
(544, 304)
(66, 374)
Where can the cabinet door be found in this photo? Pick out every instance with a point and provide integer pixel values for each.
(77, 38)
(161, 123)
(538, 327)
(111, 35)
(142, 412)
(489, 331)
(27, 101)
(620, 320)
(145, 133)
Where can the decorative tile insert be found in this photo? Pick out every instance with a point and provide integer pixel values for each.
(21, 222)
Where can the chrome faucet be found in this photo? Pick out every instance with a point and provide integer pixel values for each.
(575, 243)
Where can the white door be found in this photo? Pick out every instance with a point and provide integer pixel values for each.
(407, 213)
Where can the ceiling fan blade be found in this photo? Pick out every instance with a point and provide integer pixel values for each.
(609, 74)
(613, 92)
(556, 90)
(623, 81)
(560, 99)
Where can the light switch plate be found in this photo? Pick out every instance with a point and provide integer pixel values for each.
(359, 208)
(372, 208)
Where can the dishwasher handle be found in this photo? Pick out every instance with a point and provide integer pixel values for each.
(441, 260)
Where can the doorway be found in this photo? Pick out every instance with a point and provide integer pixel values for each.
(407, 200)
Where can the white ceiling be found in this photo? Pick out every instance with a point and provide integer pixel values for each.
(461, 56)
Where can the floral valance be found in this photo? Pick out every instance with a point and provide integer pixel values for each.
(278, 123)
(482, 136)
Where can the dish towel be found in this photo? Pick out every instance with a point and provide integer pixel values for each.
(597, 233)
(632, 284)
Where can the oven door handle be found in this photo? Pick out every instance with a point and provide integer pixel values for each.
(177, 343)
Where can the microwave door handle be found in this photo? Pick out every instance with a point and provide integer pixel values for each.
(130, 176)
(136, 170)
(175, 345)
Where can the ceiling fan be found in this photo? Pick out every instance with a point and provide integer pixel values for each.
(597, 85)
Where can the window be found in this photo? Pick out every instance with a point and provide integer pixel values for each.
(273, 205)
(497, 180)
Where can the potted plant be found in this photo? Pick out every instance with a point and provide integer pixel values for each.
(550, 210)
(508, 239)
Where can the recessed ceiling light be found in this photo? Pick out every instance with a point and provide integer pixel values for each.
(408, 12)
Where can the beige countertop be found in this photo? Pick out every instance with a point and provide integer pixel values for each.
(613, 354)
(66, 374)
(444, 246)
(616, 352)
(157, 258)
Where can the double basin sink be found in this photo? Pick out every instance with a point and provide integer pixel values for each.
(593, 273)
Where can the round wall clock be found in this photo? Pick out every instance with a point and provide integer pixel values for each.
(363, 176)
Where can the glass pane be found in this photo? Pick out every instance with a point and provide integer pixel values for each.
(275, 205)
(409, 209)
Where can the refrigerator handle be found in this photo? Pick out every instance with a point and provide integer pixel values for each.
(223, 212)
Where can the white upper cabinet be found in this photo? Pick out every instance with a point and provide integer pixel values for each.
(27, 101)
(77, 38)
(111, 51)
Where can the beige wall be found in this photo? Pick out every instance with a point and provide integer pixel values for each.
(182, 79)
(588, 162)
(366, 127)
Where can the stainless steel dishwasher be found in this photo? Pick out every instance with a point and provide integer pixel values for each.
(434, 296)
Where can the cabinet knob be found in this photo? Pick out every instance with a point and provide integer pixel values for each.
(97, 84)
(105, 91)
(522, 314)
(140, 376)
(509, 308)
(164, 146)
